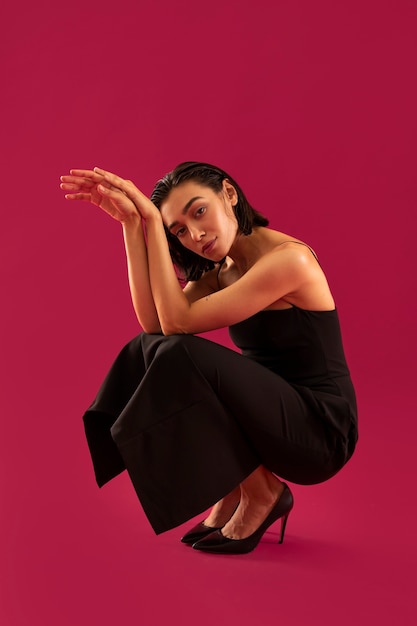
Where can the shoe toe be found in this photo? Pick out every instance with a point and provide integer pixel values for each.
(197, 532)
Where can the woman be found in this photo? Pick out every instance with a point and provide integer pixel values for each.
(195, 423)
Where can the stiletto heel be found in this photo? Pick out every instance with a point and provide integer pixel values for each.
(218, 543)
(283, 526)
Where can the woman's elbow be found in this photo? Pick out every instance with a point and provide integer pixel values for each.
(150, 328)
(172, 328)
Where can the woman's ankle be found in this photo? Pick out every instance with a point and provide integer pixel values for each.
(223, 510)
(261, 489)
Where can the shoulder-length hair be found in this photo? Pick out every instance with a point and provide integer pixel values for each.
(191, 265)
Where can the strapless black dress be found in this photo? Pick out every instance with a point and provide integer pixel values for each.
(190, 419)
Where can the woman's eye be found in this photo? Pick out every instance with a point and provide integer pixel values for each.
(200, 211)
(180, 232)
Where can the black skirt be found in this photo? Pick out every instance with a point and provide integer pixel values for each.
(190, 419)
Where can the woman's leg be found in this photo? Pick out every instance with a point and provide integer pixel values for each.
(190, 420)
(241, 512)
(259, 493)
(158, 416)
(223, 510)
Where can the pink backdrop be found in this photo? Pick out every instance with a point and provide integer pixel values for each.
(311, 106)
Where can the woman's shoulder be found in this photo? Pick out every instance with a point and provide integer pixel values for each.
(277, 240)
(297, 258)
(285, 248)
(273, 251)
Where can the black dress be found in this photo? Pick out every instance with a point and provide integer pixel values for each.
(190, 419)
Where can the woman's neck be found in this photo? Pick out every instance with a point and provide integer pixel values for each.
(247, 249)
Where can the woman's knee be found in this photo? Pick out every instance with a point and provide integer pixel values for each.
(162, 346)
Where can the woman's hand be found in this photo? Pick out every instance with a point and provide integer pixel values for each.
(144, 206)
(121, 199)
(92, 186)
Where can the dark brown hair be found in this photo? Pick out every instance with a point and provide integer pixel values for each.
(191, 265)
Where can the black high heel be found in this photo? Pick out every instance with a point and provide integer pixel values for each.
(218, 543)
(197, 532)
(201, 530)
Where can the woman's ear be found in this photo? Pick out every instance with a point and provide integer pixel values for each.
(230, 192)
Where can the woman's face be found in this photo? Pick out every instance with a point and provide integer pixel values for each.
(202, 219)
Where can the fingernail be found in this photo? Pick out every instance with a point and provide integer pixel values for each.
(98, 170)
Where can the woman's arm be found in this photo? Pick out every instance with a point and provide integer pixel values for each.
(282, 272)
(138, 274)
(90, 186)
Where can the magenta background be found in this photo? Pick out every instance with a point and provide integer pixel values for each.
(312, 107)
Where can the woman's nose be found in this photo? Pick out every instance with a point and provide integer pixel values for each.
(196, 234)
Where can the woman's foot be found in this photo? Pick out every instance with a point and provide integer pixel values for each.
(221, 512)
(242, 522)
(259, 494)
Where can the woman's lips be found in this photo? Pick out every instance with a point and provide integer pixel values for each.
(208, 246)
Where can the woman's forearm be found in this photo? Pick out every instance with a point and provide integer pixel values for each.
(171, 304)
(138, 273)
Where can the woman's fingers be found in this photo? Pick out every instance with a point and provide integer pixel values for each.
(126, 186)
(118, 195)
(90, 174)
(113, 179)
(67, 186)
(142, 203)
(78, 196)
(78, 180)
(107, 191)
(115, 195)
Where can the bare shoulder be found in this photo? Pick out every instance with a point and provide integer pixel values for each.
(298, 262)
(294, 252)
(272, 256)
(281, 249)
